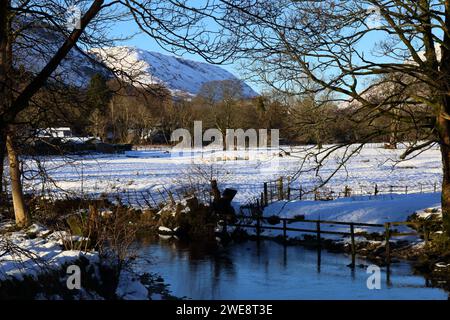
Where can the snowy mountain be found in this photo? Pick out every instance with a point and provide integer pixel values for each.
(181, 76)
(76, 70)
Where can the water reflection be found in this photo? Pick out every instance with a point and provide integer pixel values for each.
(267, 270)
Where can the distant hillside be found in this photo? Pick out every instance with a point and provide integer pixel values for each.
(181, 76)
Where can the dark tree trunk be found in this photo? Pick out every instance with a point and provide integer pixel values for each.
(443, 123)
(5, 83)
(2, 164)
(444, 127)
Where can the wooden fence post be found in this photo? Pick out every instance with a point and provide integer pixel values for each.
(352, 235)
(376, 189)
(258, 227)
(318, 233)
(301, 193)
(280, 189)
(288, 188)
(346, 192)
(266, 200)
(435, 187)
(387, 227)
(406, 190)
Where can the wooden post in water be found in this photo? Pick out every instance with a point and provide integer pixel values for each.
(352, 235)
(318, 233)
(284, 232)
(266, 200)
(258, 227)
(387, 227)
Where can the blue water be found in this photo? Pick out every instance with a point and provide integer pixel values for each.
(271, 271)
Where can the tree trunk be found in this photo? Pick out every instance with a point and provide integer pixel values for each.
(443, 125)
(22, 216)
(444, 132)
(2, 164)
(393, 137)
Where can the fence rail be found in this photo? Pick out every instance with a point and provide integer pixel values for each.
(256, 220)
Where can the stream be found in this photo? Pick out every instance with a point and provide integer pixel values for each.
(270, 271)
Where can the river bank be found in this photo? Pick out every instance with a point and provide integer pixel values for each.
(35, 263)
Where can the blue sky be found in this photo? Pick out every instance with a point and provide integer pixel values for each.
(143, 41)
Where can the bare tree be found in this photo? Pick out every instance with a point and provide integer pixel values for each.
(288, 45)
(222, 101)
(34, 35)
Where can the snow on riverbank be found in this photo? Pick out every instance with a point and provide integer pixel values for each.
(373, 210)
(36, 251)
(380, 209)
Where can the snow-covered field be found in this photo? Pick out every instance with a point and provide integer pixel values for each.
(156, 168)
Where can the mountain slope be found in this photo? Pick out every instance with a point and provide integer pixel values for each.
(39, 42)
(179, 75)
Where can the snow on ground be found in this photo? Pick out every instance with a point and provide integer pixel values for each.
(37, 250)
(430, 213)
(380, 209)
(34, 250)
(365, 209)
(154, 168)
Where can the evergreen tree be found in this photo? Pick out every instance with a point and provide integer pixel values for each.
(98, 93)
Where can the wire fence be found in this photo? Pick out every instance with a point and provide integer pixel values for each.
(284, 189)
(152, 198)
